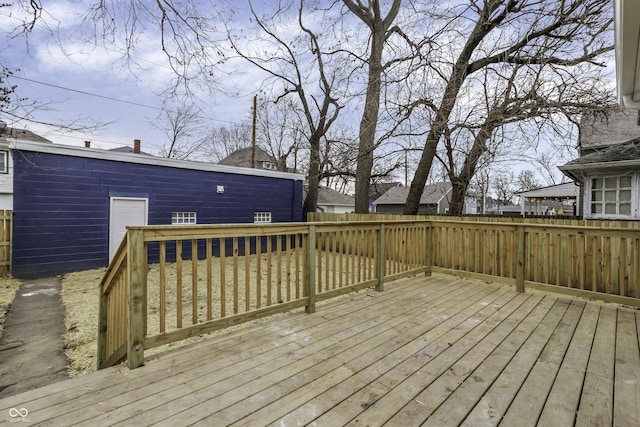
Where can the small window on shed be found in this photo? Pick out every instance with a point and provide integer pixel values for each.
(261, 217)
(183, 218)
(4, 162)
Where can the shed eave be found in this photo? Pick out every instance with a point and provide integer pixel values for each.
(93, 153)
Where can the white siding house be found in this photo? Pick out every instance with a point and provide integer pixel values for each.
(7, 135)
(608, 169)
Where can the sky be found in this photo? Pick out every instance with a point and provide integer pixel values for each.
(75, 80)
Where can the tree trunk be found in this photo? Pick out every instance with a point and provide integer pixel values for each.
(460, 183)
(368, 124)
(370, 14)
(448, 102)
(458, 191)
(313, 179)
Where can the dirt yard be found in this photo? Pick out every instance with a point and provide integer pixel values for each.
(81, 301)
(8, 289)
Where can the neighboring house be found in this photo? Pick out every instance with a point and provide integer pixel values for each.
(434, 200)
(8, 134)
(608, 169)
(377, 189)
(558, 199)
(242, 158)
(333, 201)
(71, 204)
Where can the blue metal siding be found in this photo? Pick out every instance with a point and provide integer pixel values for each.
(61, 205)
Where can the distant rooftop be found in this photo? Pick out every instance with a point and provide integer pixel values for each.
(7, 132)
(431, 194)
(242, 158)
(562, 191)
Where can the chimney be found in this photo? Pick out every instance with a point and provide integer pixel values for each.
(87, 144)
(136, 146)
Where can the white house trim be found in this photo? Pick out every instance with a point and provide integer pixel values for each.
(627, 42)
(635, 197)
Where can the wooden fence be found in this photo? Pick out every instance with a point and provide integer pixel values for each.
(590, 258)
(167, 283)
(550, 220)
(174, 282)
(6, 217)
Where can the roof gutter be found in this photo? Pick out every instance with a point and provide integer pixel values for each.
(627, 54)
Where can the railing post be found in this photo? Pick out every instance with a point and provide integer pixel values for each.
(136, 267)
(311, 270)
(380, 261)
(429, 260)
(102, 328)
(520, 236)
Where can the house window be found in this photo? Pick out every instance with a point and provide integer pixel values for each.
(611, 195)
(261, 217)
(183, 218)
(4, 162)
(269, 166)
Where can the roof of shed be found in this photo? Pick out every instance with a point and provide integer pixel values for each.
(94, 153)
(431, 195)
(127, 149)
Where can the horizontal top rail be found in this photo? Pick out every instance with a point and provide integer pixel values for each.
(114, 266)
(186, 232)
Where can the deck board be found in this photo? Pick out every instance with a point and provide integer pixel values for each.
(596, 403)
(435, 350)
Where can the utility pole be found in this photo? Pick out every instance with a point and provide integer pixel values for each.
(406, 169)
(253, 132)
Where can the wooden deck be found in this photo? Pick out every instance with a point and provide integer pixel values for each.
(435, 351)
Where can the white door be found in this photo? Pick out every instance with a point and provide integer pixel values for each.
(124, 211)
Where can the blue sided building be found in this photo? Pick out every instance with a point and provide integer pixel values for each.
(71, 205)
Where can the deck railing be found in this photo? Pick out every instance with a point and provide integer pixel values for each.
(167, 283)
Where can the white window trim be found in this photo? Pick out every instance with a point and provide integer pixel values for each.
(183, 218)
(635, 197)
(261, 217)
(5, 154)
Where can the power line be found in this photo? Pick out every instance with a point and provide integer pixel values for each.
(81, 92)
(87, 93)
(85, 138)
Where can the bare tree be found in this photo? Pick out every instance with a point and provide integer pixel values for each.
(504, 187)
(510, 117)
(288, 63)
(7, 90)
(279, 132)
(555, 38)
(222, 140)
(526, 180)
(183, 127)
